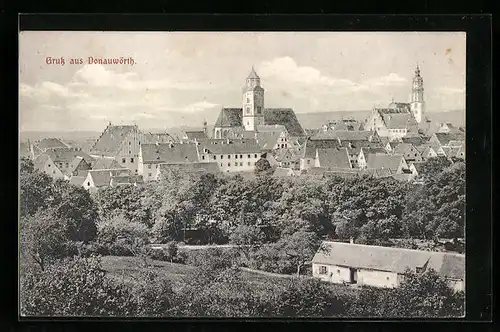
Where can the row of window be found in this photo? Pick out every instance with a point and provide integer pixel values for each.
(124, 160)
(236, 164)
(229, 156)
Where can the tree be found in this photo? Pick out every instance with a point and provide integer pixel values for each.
(43, 238)
(299, 248)
(26, 166)
(73, 287)
(123, 237)
(75, 205)
(263, 167)
(36, 192)
(246, 237)
(434, 166)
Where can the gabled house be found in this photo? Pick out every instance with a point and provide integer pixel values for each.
(309, 150)
(78, 166)
(97, 179)
(395, 163)
(288, 158)
(448, 127)
(409, 152)
(106, 163)
(232, 155)
(383, 267)
(193, 136)
(41, 146)
(121, 143)
(365, 152)
(67, 161)
(45, 164)
(151, 155)
(443, 139)
(427, 151)
(332, 158)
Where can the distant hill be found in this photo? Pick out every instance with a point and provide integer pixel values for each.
(307, 120)
(316, 120)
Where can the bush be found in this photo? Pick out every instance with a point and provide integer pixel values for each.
(73, 287)
(121, 237)
(169, 253)
(154, 295)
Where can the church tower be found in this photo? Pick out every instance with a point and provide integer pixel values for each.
(253, 102)
(417, 103)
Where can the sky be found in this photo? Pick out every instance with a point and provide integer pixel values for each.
(182, 78)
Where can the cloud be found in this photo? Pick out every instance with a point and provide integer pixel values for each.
(100, 76)
(286, 69)
(386, 81)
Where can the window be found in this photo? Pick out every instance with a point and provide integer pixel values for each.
(255, 156)
(248, 163)
(236, 156)
(215, 157)
(308, 161)
(241, 164)
(259, 109)
(248, 157)
(229, 164)
(221, 156)
(203, 157)
(241, 156)
(129, 152)
(131, 160)
(248, 111)
(387, 278)
(322, 270)
(228, 156)
(338, 271)
(88, 184)
(149, 166)
(221, 164)
(54, 172)
(129, 143)
(67, 165)
(248, 100)
(48, 165)
(149, 174)
(123, 160)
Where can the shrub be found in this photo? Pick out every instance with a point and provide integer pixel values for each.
(154, 295)
(121, 237)
(73, 287)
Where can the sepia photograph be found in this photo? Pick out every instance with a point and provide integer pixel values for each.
(242, 174)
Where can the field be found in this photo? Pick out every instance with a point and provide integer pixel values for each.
(127, 270)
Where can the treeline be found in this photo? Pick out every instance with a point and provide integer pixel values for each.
(278, 223)
(79, 287)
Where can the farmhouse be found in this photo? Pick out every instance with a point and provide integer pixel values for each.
(383, 267)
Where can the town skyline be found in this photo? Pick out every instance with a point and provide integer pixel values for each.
(173, 83)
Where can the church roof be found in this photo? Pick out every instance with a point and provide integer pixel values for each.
(169, 152)
(230, 117)
(111, 139)
(285, 117)
(233, 117)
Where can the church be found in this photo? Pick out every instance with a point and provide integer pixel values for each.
(252, 117)
(401, 119)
